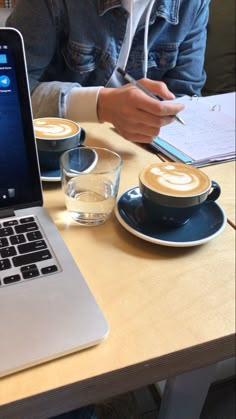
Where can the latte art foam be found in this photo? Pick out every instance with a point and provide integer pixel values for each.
(175, 179)
(52, 128)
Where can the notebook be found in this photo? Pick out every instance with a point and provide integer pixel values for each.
(208, 136)
(46, 307)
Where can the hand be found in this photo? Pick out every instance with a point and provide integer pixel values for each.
(135, 115)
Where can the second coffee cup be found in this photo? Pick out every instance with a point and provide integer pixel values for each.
(54, 136)
(172, 192)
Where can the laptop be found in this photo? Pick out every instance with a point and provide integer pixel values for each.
(46, 307)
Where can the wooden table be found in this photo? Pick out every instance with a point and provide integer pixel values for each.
(170, 310)
(224, 174)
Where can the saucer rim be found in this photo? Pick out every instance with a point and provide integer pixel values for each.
(50, 178)
(167, 243)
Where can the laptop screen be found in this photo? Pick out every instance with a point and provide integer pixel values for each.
(19, 177)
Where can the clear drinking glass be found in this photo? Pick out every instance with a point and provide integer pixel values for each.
(90, 180)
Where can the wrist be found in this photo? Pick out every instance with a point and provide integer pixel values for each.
(104, 104)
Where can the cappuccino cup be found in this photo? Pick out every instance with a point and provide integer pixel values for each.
(172, 192)
(54, 136)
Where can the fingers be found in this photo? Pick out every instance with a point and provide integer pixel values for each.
(151, 120)
(140, 126)
(134, 114)
(131, 131)
(136, 137)
(156, 107)
(136, 99)
(142, 131)
(158, 87)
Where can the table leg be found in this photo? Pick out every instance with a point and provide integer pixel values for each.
(184, 395)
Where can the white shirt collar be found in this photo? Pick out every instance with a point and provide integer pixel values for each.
(129, 3)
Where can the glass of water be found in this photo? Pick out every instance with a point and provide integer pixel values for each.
(90, 181)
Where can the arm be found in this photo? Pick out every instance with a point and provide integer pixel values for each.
(135, 115)
(37, 21)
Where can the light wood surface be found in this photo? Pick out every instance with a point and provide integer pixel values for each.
(224, 174)
(170, 310)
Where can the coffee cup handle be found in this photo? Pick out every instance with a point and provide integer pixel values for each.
(82, 136)
(215, 193)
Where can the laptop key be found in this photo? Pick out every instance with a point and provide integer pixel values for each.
(31, 258)
(11, 279)
(29, 271)
(26, 220)
(3, 242)
(35, 235)
(5, 264)
(32, 246)
(8, 252)
(7, 231)
(10, 223)
(17, 239)
(24, 228)
(49, 269)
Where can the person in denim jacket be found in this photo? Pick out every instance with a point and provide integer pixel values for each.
(73, 49)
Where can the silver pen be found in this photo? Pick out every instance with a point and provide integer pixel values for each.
(130, 79)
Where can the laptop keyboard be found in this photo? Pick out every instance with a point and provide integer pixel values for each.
(24, 251)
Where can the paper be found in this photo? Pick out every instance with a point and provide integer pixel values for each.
(209, 133)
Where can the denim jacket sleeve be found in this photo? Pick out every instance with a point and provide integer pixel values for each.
(188, 76)
(38, 22)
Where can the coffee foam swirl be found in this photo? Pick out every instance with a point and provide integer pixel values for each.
(50, 128)
(175, 179)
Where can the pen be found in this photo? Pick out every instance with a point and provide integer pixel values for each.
(130, 79)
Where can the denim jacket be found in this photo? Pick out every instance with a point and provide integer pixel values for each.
(76, 43)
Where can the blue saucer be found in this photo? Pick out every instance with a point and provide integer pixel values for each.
(54, 175)
(206, 224)
(50, 175)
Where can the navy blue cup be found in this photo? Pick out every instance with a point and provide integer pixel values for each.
(51, 148)
(176, 210)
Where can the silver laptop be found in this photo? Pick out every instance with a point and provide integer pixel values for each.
(46, 307)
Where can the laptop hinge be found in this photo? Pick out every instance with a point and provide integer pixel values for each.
(5, 213)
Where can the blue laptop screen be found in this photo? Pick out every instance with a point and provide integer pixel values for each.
(19, 178)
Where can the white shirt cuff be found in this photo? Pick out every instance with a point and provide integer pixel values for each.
(81, 104)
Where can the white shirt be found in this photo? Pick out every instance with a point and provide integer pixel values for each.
(137, 11)
(81, 102)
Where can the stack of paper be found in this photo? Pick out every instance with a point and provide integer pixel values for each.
(208, 136)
